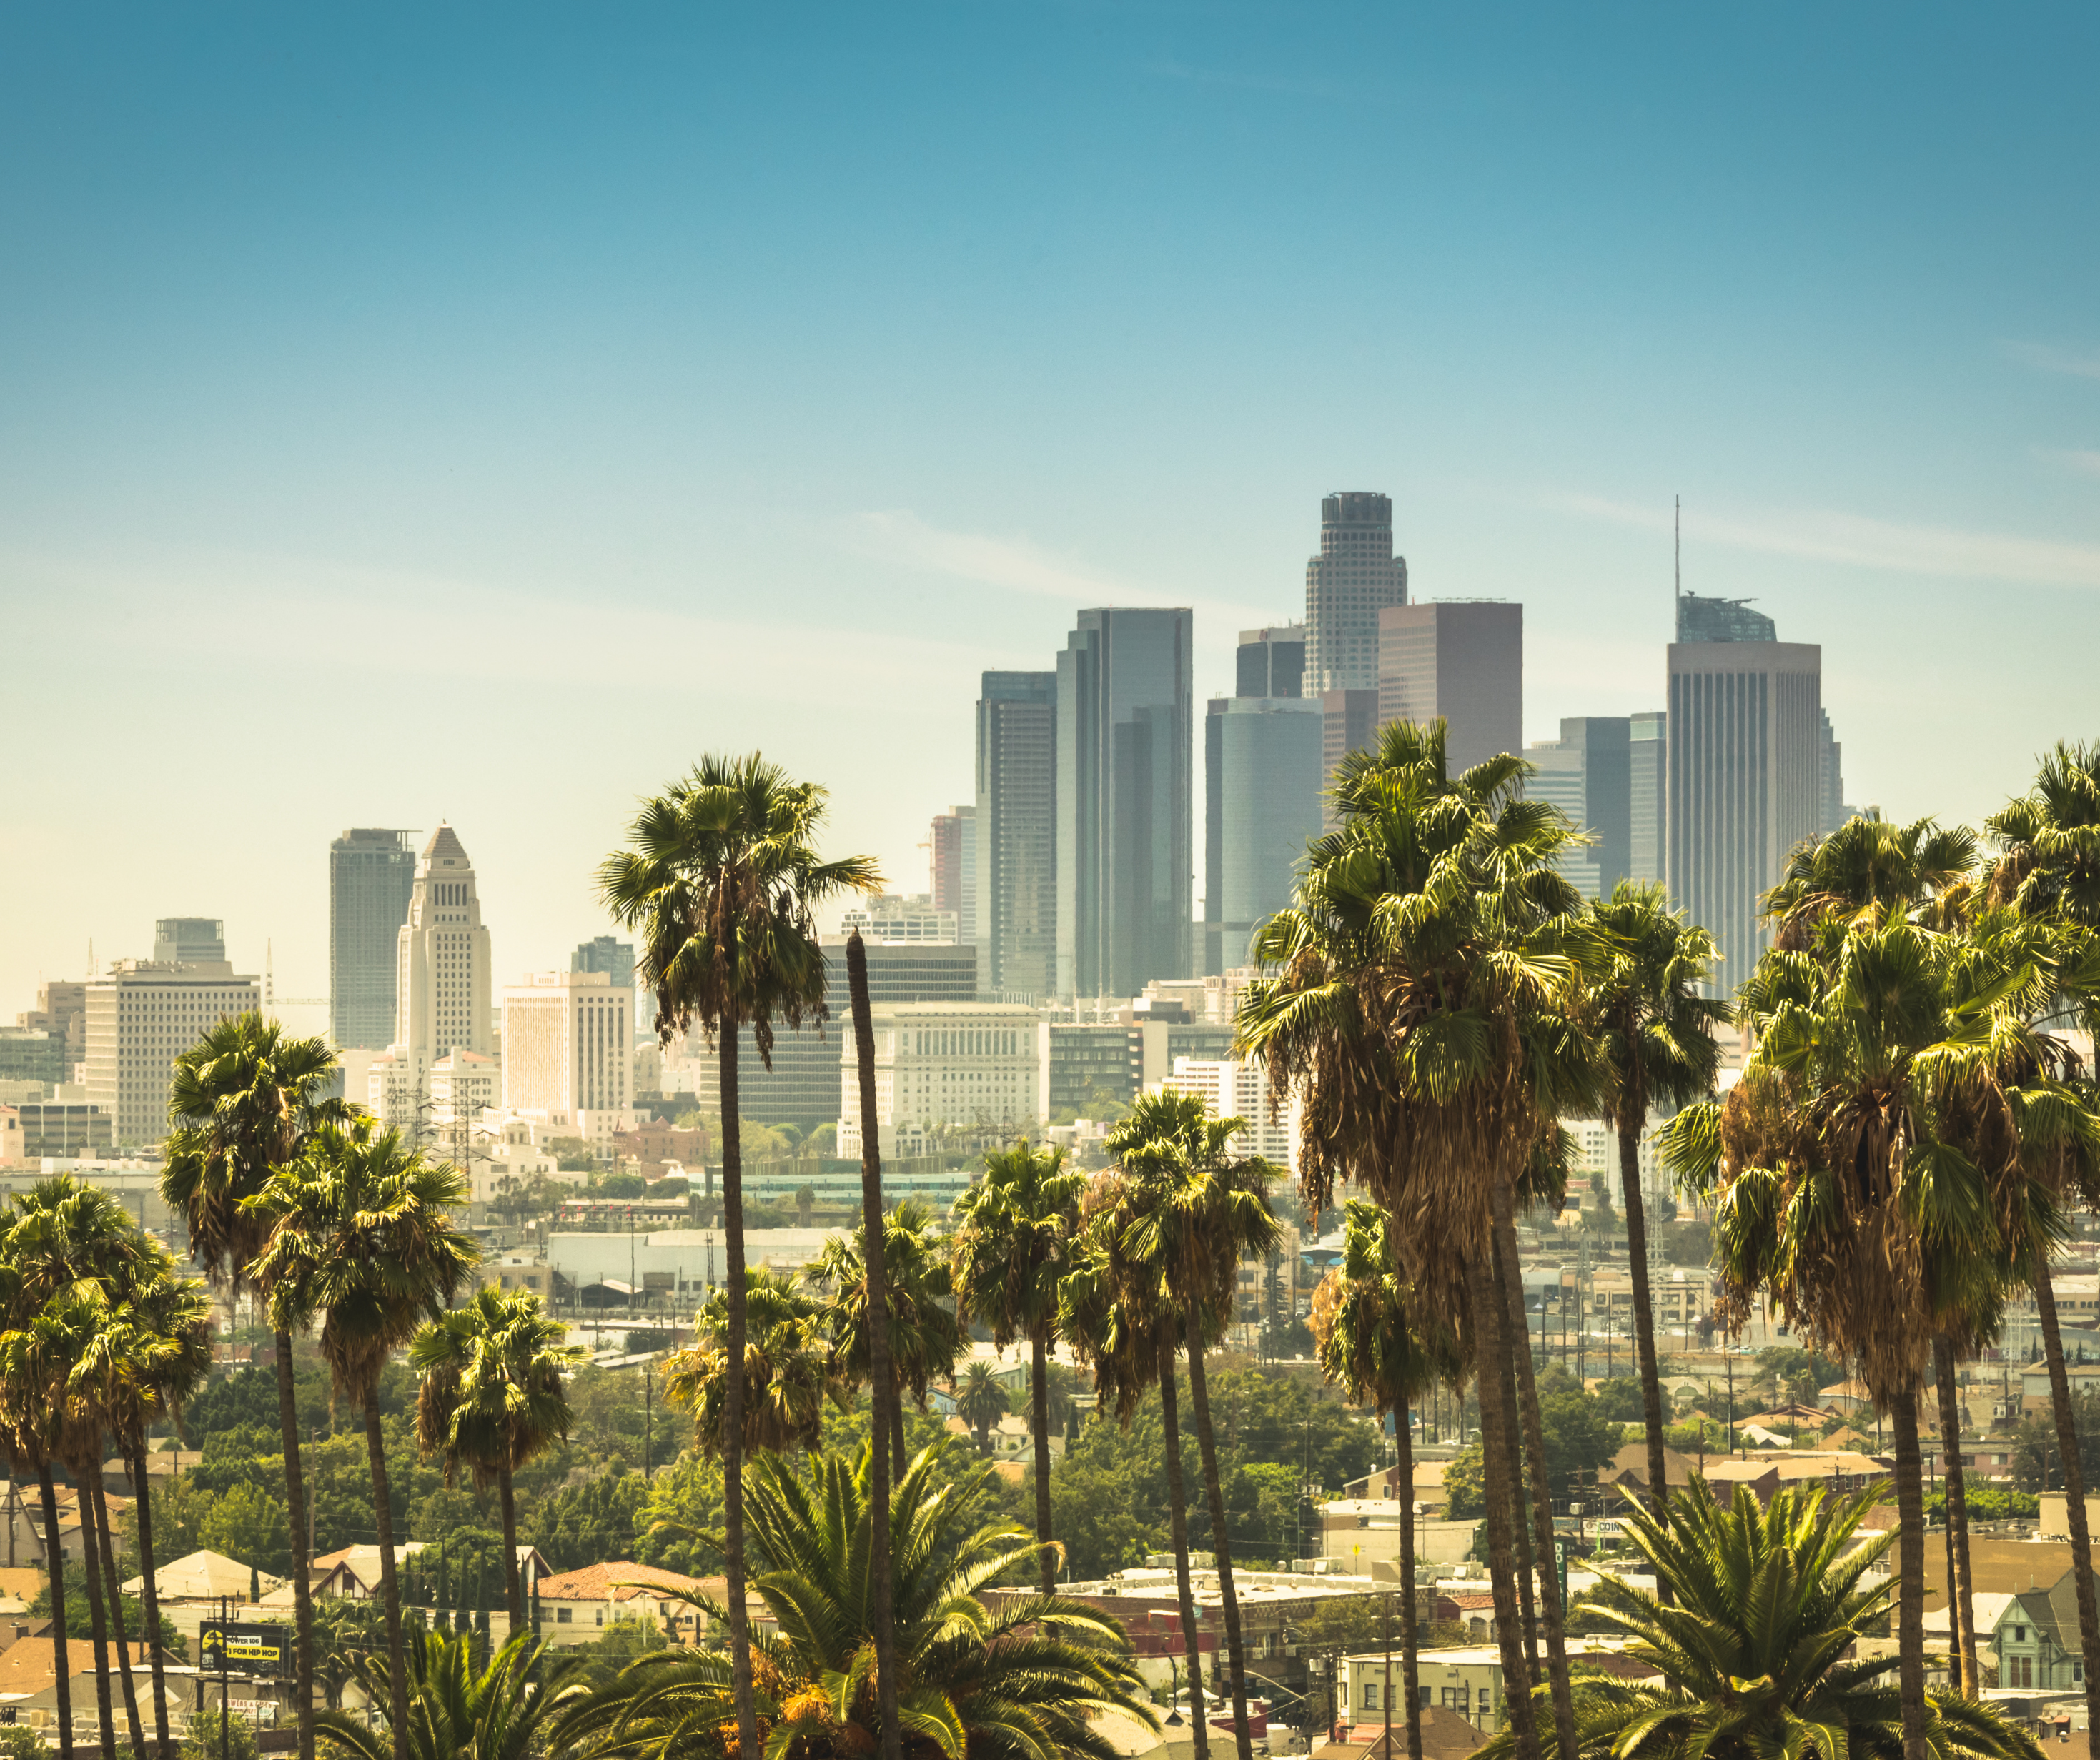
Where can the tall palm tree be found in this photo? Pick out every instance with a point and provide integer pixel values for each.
(1766, 1605)
(492, 1399)
(152, 1355)
(363, 1230)
(1194, 1213)
(1384, 1355)
(883, 1395)
(69, 1248)
(981, 1402)
(1032, 1678)
(1852, 1188)
(722, 880)
(1128, 1341)
(790, 1371)
(242, 1102)
(1419, 994)
(1014, 1230)
(926, 1341)
(1655, 1033)
(2048, 870)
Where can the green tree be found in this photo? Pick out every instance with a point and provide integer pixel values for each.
(500, 1711)
(589, 1523)
(1030, 1678)
(790, 1371)
(242, 1103)
(1765, 1607)
(362, 1230)
(1654, 1034)
(1014, 1229)
(249, 1524)
(492, 1399)
(722, 880)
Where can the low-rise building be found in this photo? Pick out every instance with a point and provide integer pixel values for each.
(576, 1606)
(1362, 1531)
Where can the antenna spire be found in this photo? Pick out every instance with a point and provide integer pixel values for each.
(1677, 547)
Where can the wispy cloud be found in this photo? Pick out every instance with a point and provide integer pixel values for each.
(2056, 360)
(2085, 464)
(1860, 543)
(1013, 563)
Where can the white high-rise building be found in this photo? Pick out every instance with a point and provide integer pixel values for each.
(442, 982)
(1230, 1087)
(141, 1015)
(568, 1043)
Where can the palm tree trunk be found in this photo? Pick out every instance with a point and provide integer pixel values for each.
(1206, 1451)
(881, 1384)
(1541, 1500)
(899, 1460)
(55, 1576)
(149, 1596)
(1177, 1521)
(116, 1589)
(1039, 1419)
(1910, 1552)
(90, 1569)
(513, 1590)
(1959, 1591)
(390, 1582)
(2074, 1479)
(739, 1621)
(1404, 1471)
(1513, 1487)
(1501, 1563)
(1658, 1476)
(295, 1511)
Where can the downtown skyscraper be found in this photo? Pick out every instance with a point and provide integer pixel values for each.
(1747, 746)
(371, 875)
(1355, 576)
(1125, 800)
(1014, 836)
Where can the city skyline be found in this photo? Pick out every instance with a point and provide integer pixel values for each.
(600, 398)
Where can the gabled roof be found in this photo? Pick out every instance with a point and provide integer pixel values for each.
(201, 1577)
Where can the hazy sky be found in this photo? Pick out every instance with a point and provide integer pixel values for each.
(478, 413)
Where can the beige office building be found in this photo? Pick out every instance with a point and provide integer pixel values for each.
(443, 982)
(971, 1065)
(568, 1045)
(140, 1016)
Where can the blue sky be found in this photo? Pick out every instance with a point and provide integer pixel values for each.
(410, 413)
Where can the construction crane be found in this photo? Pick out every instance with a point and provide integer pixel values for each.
(271, 1000)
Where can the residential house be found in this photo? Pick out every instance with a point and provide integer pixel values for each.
(576, 1606)
(2036, 1641)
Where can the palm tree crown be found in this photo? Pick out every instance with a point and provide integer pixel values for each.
(491, 1397)
(1023, 1683)
(1764, 1604)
